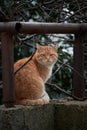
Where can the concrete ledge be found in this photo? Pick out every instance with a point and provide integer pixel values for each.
(11, 118)
(27, 118)
(39, 118)
(58, 115)
(71, 115)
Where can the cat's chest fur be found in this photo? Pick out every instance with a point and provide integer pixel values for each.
(46, 73)
(49, 74)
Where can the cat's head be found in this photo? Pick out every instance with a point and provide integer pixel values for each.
(46, 55)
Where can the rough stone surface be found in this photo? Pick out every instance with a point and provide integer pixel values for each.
(58, 115)
(71, 115)
(39, 118)
(27, 118)
(11, 118)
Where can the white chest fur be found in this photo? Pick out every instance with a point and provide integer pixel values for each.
(49, 74)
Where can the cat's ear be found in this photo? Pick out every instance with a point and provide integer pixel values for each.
(55, 47)
(38, 46)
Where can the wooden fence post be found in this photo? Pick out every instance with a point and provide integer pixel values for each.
(7, 70)
(78, 78)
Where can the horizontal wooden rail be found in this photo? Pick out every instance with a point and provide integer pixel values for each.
(8, 27)
(42, 28)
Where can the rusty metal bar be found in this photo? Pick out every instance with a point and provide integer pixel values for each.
(78, 79)
(8, 73)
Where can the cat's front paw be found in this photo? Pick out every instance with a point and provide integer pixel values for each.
(38, 102)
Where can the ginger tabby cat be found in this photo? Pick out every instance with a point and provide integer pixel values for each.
(30, 80)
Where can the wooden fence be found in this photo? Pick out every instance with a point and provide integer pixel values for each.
(8, 29)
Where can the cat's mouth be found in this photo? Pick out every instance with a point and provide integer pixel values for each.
(46, 63)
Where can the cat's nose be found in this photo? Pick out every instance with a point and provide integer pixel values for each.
(47, 57)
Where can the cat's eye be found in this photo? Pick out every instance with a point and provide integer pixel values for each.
(51, 54)
(42, 55)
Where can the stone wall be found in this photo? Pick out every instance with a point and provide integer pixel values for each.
(64, 115)
(71, 115)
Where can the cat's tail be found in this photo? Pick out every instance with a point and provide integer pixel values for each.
(44, 99)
